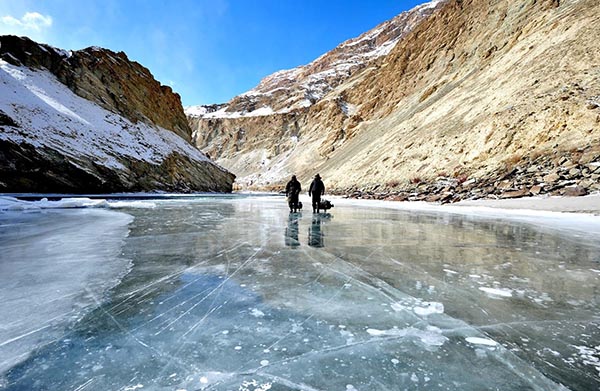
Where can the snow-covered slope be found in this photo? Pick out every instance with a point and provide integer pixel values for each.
(53, 116)
(88, 148)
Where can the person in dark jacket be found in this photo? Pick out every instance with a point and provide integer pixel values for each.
(316, 190)
(292, 192)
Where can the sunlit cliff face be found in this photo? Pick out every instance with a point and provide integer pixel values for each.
(470, 89)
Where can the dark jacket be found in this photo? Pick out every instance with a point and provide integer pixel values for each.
(293, 188)
(317, 188)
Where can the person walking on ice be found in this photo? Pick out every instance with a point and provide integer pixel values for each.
(292, 192)
(316, 190)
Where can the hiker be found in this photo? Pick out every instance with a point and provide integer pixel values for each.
(316, 190)
(292, 192)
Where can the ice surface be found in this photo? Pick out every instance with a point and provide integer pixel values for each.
(238, 294)
(53, 267)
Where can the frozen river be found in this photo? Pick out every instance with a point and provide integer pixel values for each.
(234, 293)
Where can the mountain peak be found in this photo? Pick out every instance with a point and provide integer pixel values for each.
(298, 88)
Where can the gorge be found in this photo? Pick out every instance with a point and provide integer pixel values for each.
(451, 100)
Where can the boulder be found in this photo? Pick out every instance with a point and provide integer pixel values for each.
(515, 193)
(575, 191)
(535, 190)
(551, 178)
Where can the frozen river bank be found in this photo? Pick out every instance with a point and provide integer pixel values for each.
(235, 293)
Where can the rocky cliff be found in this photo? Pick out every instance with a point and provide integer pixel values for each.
(477, 92)
(255, 133)
(93, 121)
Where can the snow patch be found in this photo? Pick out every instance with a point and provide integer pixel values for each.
(55, 117)
(421, 308)
(348, 108)
(501, 292)
(265, 110)
(196, 111)
(14, 204)
(429, 308)
(481, 341)
(135, 387)
(431, 337)
(253, 385)
(588, 356)
(203, 112)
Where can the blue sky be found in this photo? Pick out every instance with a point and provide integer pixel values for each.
(208, 51)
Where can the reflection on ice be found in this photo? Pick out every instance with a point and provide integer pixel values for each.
(315, 236)
(291, 231)
(217, 299)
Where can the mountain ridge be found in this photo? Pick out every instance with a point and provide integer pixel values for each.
(475, 87)
(300, 87)
(92, 121)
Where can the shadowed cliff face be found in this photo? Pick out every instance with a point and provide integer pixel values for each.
(92, 121)
(473, 89)
(28, 169)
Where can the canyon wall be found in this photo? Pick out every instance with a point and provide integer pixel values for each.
(474, 90)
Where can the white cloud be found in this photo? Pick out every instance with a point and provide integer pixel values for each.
(31, 21)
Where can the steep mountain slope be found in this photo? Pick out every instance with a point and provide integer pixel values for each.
(93, 121)
(474, 90)
(479, 85)
(264, 121)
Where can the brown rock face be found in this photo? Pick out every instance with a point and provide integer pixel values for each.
(474, 86)
(110, 79)
(257, 129)
(225, 137)
(92, 121)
